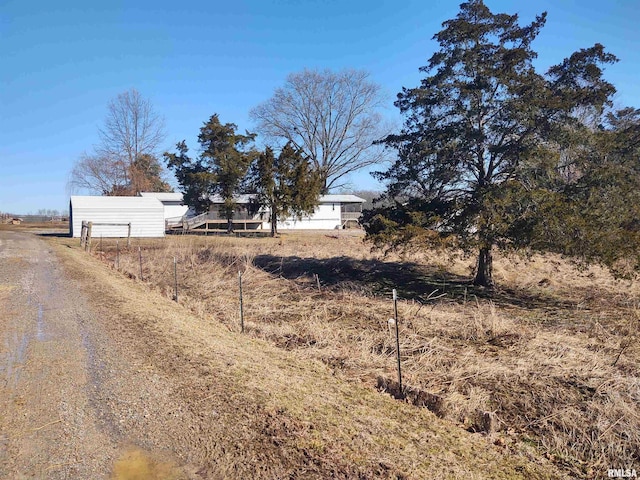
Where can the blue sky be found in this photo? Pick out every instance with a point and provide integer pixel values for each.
(61, 62)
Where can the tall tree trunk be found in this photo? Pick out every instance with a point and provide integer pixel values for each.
(274, 222)
(324, 190)
(227, 209)
(484, 270)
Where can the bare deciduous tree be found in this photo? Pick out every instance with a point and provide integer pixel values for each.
(98, 174)
(125, 160)
(131, 128)
(332, 117)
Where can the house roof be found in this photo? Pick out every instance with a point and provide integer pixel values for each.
(163, 196)
(341, 199)
(121, 203)
(245, 198)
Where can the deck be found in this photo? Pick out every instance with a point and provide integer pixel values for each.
(207, 223)
(211, 223)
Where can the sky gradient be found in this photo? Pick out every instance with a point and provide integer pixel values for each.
(62, 62)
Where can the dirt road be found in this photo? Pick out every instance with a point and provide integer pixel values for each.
(62, 409)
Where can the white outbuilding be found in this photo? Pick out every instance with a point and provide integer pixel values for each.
(174, 210)
(113, 216)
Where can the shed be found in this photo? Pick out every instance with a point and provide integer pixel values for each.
(145, 214)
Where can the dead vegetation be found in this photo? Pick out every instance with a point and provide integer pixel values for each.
(548, 363)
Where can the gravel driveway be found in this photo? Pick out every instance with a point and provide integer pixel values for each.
(68, 407)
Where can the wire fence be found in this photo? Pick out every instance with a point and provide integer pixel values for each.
(174, 274)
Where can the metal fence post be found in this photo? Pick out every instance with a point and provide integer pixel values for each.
(395, 310)
(175, 277)
(140, 260)
(241, 303)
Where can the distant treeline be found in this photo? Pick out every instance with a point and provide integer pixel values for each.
(35, 218)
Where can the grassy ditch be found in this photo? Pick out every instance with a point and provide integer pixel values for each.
(552, 356)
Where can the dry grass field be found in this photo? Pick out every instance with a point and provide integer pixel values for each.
(546, 366)
(40, 226)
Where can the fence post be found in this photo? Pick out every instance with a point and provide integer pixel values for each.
(395, 311)
(175, 277)
(87, 243)
(241, 303)
(117, 255)
(129, 235)
(83, 233)
(140, 259)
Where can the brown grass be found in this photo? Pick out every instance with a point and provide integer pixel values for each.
(553, 354)
(44, 226)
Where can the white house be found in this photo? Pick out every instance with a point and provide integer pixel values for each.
(111, 216)
(332, 212)
(174, 210)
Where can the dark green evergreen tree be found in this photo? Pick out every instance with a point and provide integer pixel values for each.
(220, 169)
(286, 185)
(228, 155)
(483, 133)
(194, 176)
(600, 221)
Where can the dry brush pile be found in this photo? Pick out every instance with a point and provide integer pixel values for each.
(552, 357)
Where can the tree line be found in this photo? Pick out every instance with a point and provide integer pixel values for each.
(492, 154)
(319, 127)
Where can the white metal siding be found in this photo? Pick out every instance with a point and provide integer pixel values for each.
(146, 216)
(175, 211)
(326, 217)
